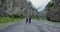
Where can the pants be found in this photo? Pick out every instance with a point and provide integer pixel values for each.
(28, 19)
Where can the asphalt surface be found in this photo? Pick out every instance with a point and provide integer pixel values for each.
(35, 26)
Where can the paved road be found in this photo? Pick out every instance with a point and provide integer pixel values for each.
(35, 26)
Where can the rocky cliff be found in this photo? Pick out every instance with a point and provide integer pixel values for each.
(10, 7)
(54, 12)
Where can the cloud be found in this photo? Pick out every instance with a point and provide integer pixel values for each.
(39, 3)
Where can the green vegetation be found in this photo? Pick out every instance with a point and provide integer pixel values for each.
(50, 5)
(4, 21)
(50, 22)
(39, 17)
(44, 20)
(7, 19)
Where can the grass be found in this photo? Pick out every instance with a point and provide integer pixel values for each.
(42, 19)
(4, 21)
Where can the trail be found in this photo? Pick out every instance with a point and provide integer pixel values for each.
(35, 26)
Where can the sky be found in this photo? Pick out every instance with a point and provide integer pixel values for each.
(39, 4)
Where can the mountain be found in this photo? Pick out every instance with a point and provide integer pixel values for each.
(13, 7)
(54, 11)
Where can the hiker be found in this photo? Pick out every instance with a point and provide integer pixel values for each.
(28, 17)
(28, 13)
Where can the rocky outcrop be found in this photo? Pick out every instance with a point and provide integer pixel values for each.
(54, 12)
(13, 7)
(5, 7)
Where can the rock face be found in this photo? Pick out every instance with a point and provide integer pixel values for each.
(54, 12)
(10, 7)
(5, 6)
(18, 5)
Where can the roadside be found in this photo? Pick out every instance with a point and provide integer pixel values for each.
(35, 26)
(10, 21)
(43, 20)
(5, 21)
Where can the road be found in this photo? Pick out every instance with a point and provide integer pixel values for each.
(35, 26)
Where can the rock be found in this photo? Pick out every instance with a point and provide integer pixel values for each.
(54, 12)
(13, 7)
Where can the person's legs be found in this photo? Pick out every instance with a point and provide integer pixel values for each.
(26, 19)
(29, 19)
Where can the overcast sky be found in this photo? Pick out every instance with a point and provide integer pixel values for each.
(40, 4)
